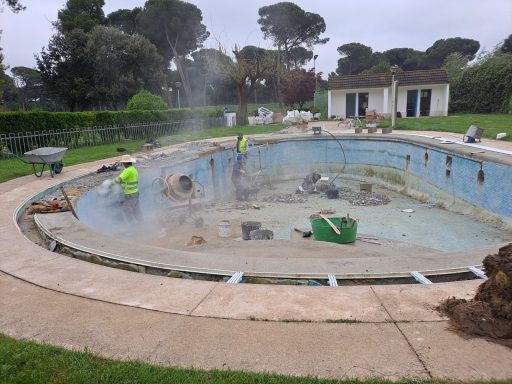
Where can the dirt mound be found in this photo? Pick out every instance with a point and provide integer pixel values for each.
(490, 312)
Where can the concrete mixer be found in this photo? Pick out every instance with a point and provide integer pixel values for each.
(178, 188)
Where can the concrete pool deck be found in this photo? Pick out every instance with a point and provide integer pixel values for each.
(389, 332)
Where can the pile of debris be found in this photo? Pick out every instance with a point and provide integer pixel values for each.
(45, 206)
(490, 312)
(284, 198)
(362, 198)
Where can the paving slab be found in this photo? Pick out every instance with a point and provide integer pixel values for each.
(76, 277)
(418, 302)
(275, 302)
(120, 332)
(449, 355)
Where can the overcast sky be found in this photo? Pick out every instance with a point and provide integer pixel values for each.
(379, 24)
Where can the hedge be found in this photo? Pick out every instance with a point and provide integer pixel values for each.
(11, 122)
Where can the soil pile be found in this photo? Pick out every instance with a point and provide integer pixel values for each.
(490, 312)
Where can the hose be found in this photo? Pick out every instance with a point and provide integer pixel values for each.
(342, 151)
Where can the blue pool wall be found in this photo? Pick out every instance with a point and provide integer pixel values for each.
(485, 185)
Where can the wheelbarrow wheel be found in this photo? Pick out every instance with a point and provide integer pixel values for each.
(57, 167)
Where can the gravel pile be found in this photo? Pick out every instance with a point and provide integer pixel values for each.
(284, 198)
(362, 198)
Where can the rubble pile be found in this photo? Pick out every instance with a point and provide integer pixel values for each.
(362, 198)
(284, 198)
(489, 313)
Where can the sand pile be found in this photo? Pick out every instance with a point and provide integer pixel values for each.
(490, 312)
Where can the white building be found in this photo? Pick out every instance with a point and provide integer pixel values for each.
(420, 93)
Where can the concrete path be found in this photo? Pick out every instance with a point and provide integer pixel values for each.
(389, 332)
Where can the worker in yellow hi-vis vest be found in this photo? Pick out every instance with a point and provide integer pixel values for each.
(242, 150)
(241, 145)
(129, 180)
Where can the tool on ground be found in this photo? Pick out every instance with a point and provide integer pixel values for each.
(70, 206)
(334, 228)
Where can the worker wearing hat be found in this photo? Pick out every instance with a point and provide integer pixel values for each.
(129, 180)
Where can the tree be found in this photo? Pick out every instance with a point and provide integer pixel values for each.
(176, 29)
(250, 67)
(298, 57)
(439, 51)
(66, 70)
(30, 85)
(124, 19)
(298, 87)
(82, 14)
(121, 65)
(398, 56)
(355, 58)
(146, 101)
(290, 27)
(15, 5)
(507, 45)
(485, 87)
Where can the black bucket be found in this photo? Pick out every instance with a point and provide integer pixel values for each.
(247, 227)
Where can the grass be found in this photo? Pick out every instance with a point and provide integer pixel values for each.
(13, 168)
(491, 123)
(27, 362)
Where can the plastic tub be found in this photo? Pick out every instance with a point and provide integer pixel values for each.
(322, 231)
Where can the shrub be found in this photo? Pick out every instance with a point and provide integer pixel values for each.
(12, 122)
(146, 101)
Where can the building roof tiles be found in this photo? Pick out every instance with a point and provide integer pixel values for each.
(382, 80)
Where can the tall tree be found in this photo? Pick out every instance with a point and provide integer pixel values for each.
(439, 51)
(290, 27)
(398, 56)
(249, 68)
(29, 83)
(124, 19)
(121, 65)
(66, 70)
(298, 57)
(355, 58)
(82, 14)
(176, 29)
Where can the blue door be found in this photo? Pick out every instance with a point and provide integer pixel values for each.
(412, 101)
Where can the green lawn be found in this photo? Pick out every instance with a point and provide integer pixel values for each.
(13, 168)
(26, 362)
(491, 123)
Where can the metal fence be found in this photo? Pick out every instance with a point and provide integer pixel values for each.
(21, 142)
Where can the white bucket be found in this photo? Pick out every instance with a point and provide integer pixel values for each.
(224, 228)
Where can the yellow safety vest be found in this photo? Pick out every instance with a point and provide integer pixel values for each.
(242, 146)
(129, 180)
